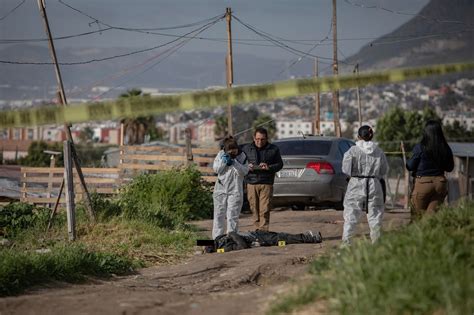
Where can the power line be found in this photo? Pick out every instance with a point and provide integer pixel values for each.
(309, 51)
(171, 51)
(375, 43)
(32, 40)
(242, 41)
(277, 42)
(110, 57)
(12, 10)
(378, 7)
(95, 20)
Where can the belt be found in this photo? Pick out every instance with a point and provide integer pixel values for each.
(366, 206)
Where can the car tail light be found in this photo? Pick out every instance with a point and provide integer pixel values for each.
(321, 167)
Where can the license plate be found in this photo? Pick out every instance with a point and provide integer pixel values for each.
(288, 173)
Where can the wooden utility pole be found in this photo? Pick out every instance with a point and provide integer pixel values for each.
(335, 93)
(356, 71)
(63, 101)
(317, 115)
(229, 67)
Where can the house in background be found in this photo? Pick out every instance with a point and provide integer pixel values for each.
(461, 179)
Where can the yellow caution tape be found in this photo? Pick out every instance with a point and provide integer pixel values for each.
(143, 106)
(281, 243)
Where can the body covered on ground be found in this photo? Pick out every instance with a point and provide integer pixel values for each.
(236, 241)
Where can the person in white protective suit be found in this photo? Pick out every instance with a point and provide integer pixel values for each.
(231, 167)
(366, 165)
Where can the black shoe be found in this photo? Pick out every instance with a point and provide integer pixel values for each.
(315, 238)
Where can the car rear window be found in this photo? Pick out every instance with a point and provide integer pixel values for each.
(304, 147)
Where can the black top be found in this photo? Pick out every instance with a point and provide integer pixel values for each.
(422, 165)
(269, 154)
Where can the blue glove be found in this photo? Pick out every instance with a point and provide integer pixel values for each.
(227, 159)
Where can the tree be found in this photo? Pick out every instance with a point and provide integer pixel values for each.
(135, 129)
(86, 134)
(399, 125)
(458, 132)
(242, 119)
(36, 156)
(266, 122)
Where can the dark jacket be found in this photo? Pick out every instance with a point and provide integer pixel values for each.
(236, 241)
(269, 154)
(421, 165)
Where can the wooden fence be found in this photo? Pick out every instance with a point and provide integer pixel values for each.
(41, 185)
(147, 159)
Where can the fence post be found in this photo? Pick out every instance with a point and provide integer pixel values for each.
(68, 178)
(407, 176)
(398, 184)
(189, 150)
(24, 195)
(52, 164)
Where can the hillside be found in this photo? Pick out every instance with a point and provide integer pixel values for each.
(442, 32)
(192, 70)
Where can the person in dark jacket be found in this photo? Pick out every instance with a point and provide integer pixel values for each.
(431, 158)
(236, 241)
(264, 161)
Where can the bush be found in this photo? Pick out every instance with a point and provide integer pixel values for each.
(70, 263)
(18, 215)
(426, 268)
(168, 198)
(104, 208)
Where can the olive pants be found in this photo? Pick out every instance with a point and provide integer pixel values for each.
(260, 197)
(428, 194)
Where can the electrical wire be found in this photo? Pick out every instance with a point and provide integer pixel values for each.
(12, 10)
(377, 7)
(309, 51)
(33, 40)
(171, 51)
(95, 20)
(375, 43)
(277, 42)
(110, 57)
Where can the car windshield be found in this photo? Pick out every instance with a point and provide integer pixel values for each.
(304, 147)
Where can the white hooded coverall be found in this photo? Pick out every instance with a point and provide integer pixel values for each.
(366, 164)
(228, 193)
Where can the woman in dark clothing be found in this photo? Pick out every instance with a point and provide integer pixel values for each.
(431, 158)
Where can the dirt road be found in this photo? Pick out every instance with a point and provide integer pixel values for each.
(239, 282)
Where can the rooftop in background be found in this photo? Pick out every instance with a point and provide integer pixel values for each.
(465, 149)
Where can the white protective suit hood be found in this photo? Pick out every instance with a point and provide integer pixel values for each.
(367, 146)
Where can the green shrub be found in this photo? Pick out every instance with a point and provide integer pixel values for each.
(104, 208)
(426, 268)
(20, 270)
(18, 215)
(167, 198)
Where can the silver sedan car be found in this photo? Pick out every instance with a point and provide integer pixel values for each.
(311, 175)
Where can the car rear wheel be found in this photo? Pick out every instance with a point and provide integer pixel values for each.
(339, 205)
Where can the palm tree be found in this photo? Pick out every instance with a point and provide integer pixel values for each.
(135, 129)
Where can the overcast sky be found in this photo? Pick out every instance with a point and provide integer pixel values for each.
(292, 19)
